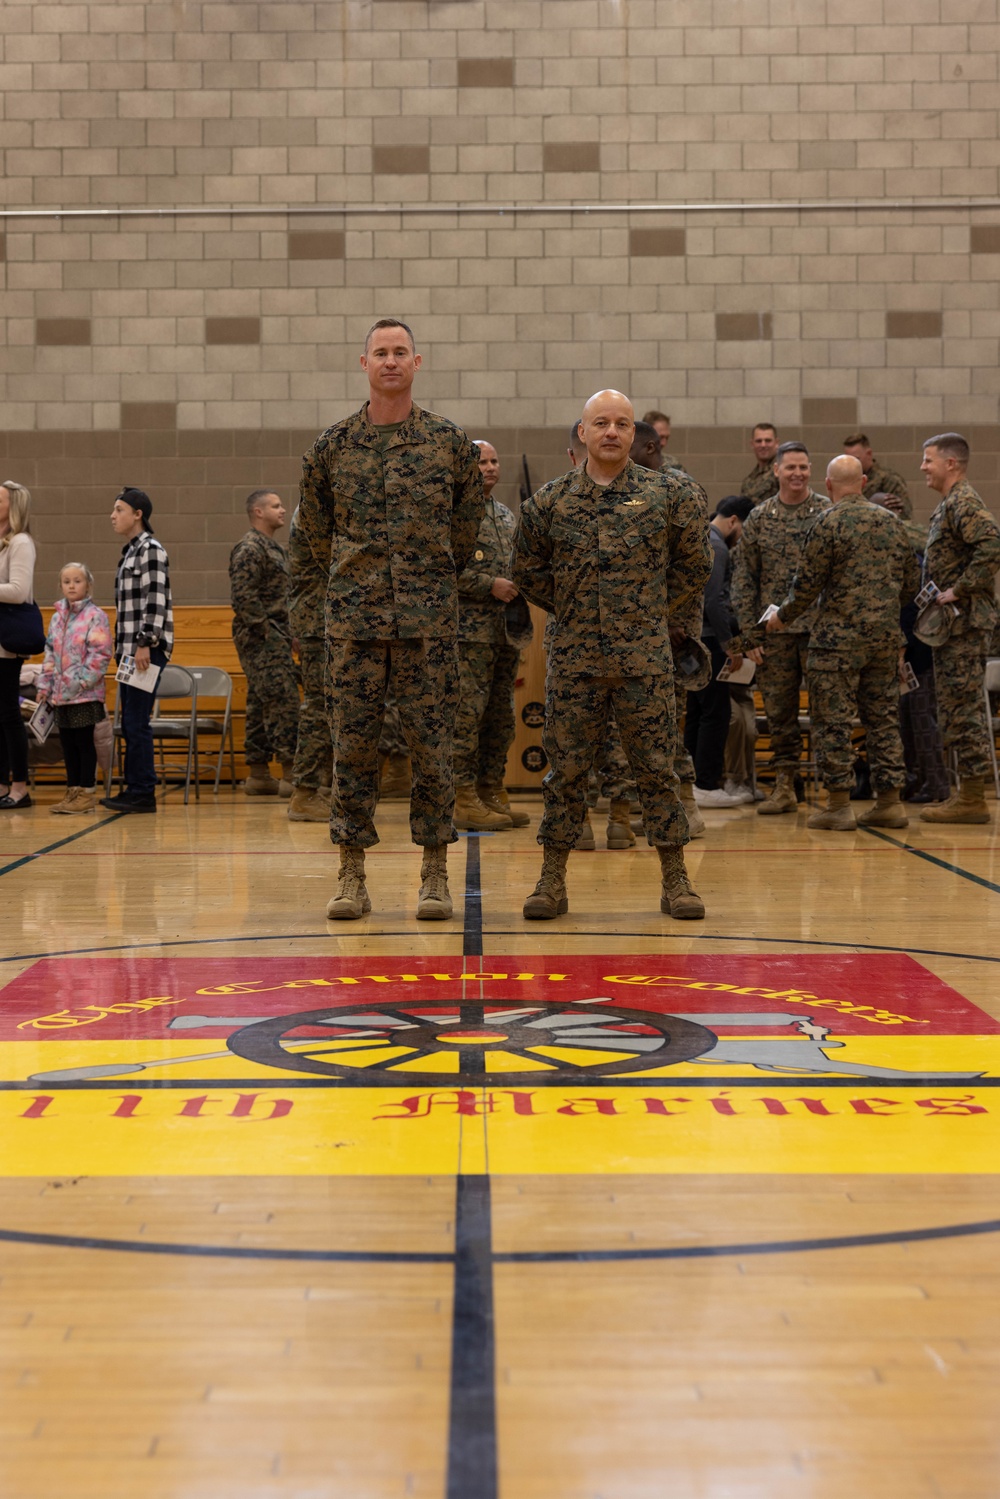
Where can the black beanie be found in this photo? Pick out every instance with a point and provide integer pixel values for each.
(138, 499)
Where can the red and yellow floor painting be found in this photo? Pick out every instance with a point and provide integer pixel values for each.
(813, 1063)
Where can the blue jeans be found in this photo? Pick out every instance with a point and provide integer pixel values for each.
(137, 709)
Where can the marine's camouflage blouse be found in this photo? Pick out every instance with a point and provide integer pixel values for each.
(760, 484)
(879, 480)
(480, 614)
(767, 557)
(963, 553)
(613, 563)
(858, 562)
(258, 579)
(307, 589)
(390, 528)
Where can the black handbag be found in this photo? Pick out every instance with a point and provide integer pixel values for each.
(21, 630)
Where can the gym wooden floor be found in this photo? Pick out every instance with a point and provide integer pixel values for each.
(692, 1281)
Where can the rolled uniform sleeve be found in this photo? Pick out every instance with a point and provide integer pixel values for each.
(245, 579)
(467, 503)
(533, 557)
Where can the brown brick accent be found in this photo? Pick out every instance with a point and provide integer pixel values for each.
(913, 325)
(232, 330)
(486, 72)
(830, 411)
(743, 327)
(822, 156)
(401, 161)
(658, 242)
(571, 156)
(316, 244)
(161, 416)
(985, 239)
(55, 331)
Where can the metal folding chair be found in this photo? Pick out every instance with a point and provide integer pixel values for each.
(214, 683)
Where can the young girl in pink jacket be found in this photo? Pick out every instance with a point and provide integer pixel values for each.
(77, 653)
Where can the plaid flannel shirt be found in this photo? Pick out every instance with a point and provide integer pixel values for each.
(142, 598)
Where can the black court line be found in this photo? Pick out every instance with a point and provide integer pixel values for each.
(472, 1423)
(922, 853)
(51, 847)
(472, 1246)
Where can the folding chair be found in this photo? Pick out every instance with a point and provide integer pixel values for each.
(213, 682)
(176, 684)
(991, 683)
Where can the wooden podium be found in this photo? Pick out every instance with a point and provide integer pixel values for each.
(527, 763)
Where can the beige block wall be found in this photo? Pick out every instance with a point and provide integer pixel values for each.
(197, 353)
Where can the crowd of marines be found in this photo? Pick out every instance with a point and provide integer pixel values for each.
(403, 595)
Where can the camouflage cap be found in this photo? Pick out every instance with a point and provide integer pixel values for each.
(933, 624)
(693, 664)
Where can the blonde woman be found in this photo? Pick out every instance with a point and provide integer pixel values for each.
(17, 577)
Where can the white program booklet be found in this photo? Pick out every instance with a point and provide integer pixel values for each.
(42, 721)
(130, 677)
(744, 674)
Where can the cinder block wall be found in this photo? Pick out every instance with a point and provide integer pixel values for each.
(196, 354)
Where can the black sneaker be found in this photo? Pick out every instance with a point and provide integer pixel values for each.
(141, 804)
(120, 803)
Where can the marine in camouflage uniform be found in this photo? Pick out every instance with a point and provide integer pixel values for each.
(610, 561)
(856, 572)
(487, 665)
(259, 583)
(391, 517)
(765, 563)
(878, 480)
(306, 615)
(963, 555)
(759, 484)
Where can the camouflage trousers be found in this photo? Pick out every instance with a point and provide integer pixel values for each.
(272, 727)
(391, 740)
(484, 719)
(611, 776)
(314, 755)
(959, 667)
(577, 713)
(683, 763)
(865, 678)
(780, 677)
(422, 677)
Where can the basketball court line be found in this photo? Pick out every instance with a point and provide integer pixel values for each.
(921, 853)
(51, 847)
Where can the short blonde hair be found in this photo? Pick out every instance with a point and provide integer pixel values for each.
(81, 567)
(20, 505)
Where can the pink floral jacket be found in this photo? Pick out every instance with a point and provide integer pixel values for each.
(77, 652)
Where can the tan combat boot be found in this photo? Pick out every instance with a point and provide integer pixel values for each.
(620, 834)
(308, 805)
(67, 805)
(839, 814)
(351, 900)
(434, 901)
(473, 815)
(677, 899)
(85, 800)
(585, 837)
(967, 804)
(782, 798)
(396, 779)
(496, 798)
(548, 899)
(259, 781)
(888, 812)
(285, 786)
(696, 823)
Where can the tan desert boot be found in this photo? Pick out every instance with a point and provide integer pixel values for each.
(782, 798)
(259, 781)
(968, 804)
(620, 834)
(585, 837)
(888, 812)
(677, 899)
(696, 823)
(351, 900)
(548, 899)
(307, 805)
(434, 900)
(496, 798)
(838, 816)
(473, 815)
